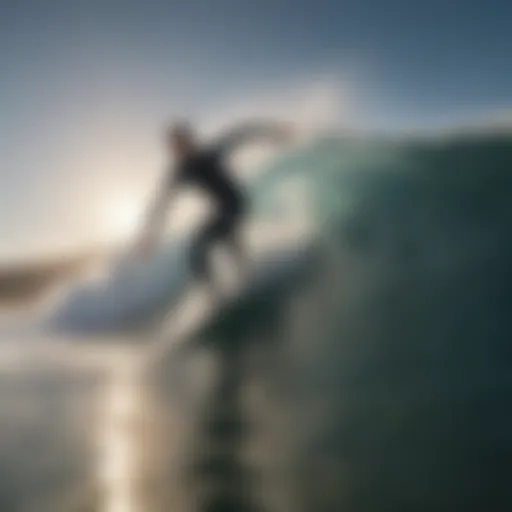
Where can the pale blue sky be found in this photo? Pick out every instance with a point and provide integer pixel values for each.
(85, 86)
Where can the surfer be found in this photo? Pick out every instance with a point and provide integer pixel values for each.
(205, 168)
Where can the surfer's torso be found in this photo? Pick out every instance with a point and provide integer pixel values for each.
(206, 170)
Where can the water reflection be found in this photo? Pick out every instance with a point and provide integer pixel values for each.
(117, 469)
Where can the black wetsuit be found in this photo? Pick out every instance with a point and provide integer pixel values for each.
(206, 170)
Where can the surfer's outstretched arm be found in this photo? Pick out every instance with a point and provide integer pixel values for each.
(252, 131)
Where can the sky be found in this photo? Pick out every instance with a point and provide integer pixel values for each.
(85, 88)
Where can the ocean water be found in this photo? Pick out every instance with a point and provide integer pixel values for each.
(376, 377)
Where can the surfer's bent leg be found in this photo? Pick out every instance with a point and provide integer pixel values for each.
(199, 264)
(223, 228)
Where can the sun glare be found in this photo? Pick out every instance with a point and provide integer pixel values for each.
(123, 219)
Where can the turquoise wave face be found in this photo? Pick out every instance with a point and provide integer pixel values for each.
(341, 178)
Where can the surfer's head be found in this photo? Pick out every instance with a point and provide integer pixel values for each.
(181, 139)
